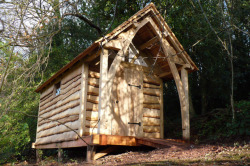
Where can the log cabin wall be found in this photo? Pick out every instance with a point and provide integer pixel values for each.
(91, 123)
(58, 110)
(152, 107)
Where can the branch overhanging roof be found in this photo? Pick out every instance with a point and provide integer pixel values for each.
(103, 40)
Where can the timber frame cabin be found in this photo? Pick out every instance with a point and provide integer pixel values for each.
(112, 93)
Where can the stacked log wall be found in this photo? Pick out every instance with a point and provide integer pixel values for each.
(151, 107)
(59, 114)
(91, 124)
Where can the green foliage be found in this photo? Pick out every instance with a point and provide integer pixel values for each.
(218, 123)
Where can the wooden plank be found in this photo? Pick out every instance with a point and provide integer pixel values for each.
(93, 90)
(152, 135)
(93, 74)
(151, 106)
(161, 111)
(104, 152)
(151, 121)
(185, 111)
(71, 74)
(151, 92)
(91, 124)
(91, 107)
(66, 144)
(94, 82)
(146, 85)
(91, 115)
(90, 131)
(148, 43)
(83, 99)
(47, 91)
(103, 112)
(151, 79)
(151, 99)
(151, 113)
(93, 99)
(151, 129)
(114, 140)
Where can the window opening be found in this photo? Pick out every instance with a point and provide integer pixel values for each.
(57, 88)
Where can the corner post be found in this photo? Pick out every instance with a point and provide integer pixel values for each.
(83, 98)
(185, 110)
(103, 127)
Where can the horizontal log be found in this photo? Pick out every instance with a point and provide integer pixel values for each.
(151, 92)
(78, 77)
(152, 135)
(50, 95)
(151, 106)
(58, 110)
(71, 74)
(90, 131)
(66, 136)
(91, 124)
(146, 85)
(51, 124)
(61, 115)
(94, 82)
(70, 87)
(93, 99)
(150, 79)
(91, 107)
(59, 98)
(151, 113)
(151, 99)
(93, 74)
(75, 96)
(150, 121)
(91, 115)
(46, 92)
(93, 90)
(151, 129)
(69, 126)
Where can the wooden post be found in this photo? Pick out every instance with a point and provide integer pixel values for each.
(91, 150)
(103, 127)
(161, 111)
(38, 155)
(59, 153)
(185, 111)
(83, 98)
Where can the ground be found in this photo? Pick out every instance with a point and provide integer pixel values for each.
(189, 154)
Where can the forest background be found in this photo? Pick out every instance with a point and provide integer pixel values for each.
(39, 37)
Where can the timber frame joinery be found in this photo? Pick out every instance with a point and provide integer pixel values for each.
(109, 95)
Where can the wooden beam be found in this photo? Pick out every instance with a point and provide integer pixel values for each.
(103, 93)
(161, 111)
(185, 112)
(104, 152)
(101, 139)
(115, 44)
(83, 98)
(148, 43)
(91, 150)
(135, 51)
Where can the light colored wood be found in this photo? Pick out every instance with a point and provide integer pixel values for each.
(58, 110)
(50, 123)
(103, 112)
(93, 74)
(93, 81)
(91, 115)
(185, 111)
(151, 92)
(91, 124)
(151, 79)
(59, 129)
(72, 74)
(135, 51)
(47, 91)
(70, 87)
(161, 111)
(148, 43)
(114, 140)
(66, 136)
(83, 99)
(92, 56)
(91, 107)
(152, 135)
(151, 99)
(93, 90)
(71, 81)
(115, 44)
(104, 152)
(146, 85)
(151, 121)
(151, 113)
(66, 113)
(151, 129)
(151, 106)
(93, 99)
(90, 131)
